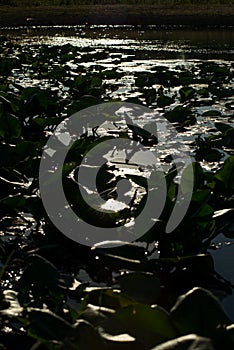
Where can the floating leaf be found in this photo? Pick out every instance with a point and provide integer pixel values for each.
(212, 113)
(10, 305)
(222, 126)
(186, 92)
(41, 277)
(10, 126)
(187, 342)
(149, 325)
(88, 338)
(226, 173)
(141, 286)
(198, 311)
(107, 297)
(179, 114)
(45, 325)
(164, 100)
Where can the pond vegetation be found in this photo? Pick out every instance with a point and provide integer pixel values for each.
(161, 292)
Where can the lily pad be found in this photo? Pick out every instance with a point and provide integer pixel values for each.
(199, 312)
(143, 287)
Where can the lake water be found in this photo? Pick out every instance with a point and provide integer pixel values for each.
(139, 49)
(146, 43)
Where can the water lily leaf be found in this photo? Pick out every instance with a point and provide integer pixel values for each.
(41, 276)
(121, 341)
(211, 113)
(212, 155)
(145, 79)
(107, 298)
(141, 286)
(198, 311)
(10, 126)
(226, 173)
(222, 126)
(109, 329)
(203, 92)
(186, 77)
(228, 138)
(187, 342)
(205, 211)
(124, 249)
(7, 64)
(223, 212)
(117, 263)
(164, 100)
(84, 102)
(10, 305)
(179, 114)
(35, 100)
(224, 218)
(13, 202)
(110, 74)
(88, 338)
(149, 95)
(186, 92)
(96, 82)
(45, 325)
(44, 122)
(230, 331)
(149, 325)
(25, 149)
(198, 201)
(96, 315)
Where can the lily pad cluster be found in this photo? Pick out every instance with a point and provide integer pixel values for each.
(156, 293)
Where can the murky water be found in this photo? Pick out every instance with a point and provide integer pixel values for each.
(153, 42)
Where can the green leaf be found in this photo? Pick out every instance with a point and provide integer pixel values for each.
(96, 82)
(211, 113)
(198, 311)
(45, 325)
(230, 333)
(186, 77)
(126, 250)
(187, 342)
(164, 100)
(97, 316)
(14, 202)
(84, 102)
(107, 297)
(223, 212)
(145, 79)
(88, 338)
(204, 92)
(222, 126)
(44, 122)
(179, 114)
(121, 342)
(141, 286)
(186, 93)
(41, 276)
(11, 304)
(226, 173)
(10, 126)
(199, 199)
(149, 325)
(25, 149)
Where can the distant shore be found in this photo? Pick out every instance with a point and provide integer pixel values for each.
(189, 15)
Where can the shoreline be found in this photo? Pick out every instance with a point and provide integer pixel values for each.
(202, 16)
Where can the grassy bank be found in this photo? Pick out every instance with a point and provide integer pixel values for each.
(178, 14)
